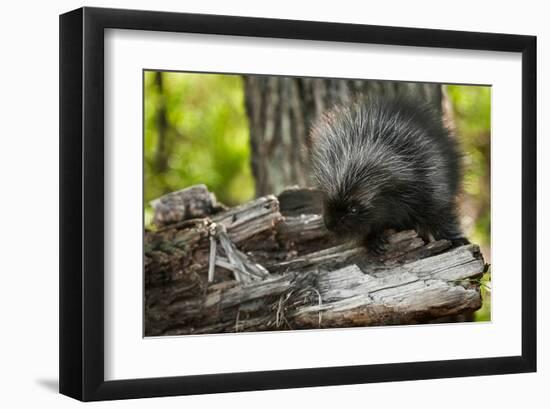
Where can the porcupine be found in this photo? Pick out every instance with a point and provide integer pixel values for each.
(387, 163)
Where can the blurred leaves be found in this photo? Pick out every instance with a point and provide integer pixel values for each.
(484, 313)
(471, 111)
(206, 138)
(471, 107)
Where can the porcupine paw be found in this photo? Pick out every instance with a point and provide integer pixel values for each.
(461, 241)
(376, 245)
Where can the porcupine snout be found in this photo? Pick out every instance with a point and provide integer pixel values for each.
(337, 220)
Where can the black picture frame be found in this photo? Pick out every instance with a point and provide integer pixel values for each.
(82, 195)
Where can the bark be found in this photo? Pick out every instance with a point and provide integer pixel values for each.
(270, 264)
(161, 154)
(282, 109)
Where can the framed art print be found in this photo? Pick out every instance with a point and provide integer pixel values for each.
(254, 204)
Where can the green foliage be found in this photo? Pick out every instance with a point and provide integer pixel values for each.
(206, 138)
(472, 117)
(472, 106)
(484, 313)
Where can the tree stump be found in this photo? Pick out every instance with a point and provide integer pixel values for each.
(270, 264)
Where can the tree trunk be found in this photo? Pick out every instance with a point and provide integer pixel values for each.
(162, 152)
(282, 109)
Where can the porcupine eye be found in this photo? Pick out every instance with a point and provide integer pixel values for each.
(353, 210)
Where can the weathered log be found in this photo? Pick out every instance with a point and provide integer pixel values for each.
(182, 248)
(192, 202)
(296, 201)
(297, 276)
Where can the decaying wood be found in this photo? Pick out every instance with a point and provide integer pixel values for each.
(296, 201)
(279, 268)
(181, 249)
(192, 202)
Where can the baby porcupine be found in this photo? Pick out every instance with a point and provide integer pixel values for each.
(387, 163)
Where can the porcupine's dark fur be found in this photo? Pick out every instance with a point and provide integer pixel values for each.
(387, 163)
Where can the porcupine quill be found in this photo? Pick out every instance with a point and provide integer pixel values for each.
(387, 163)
